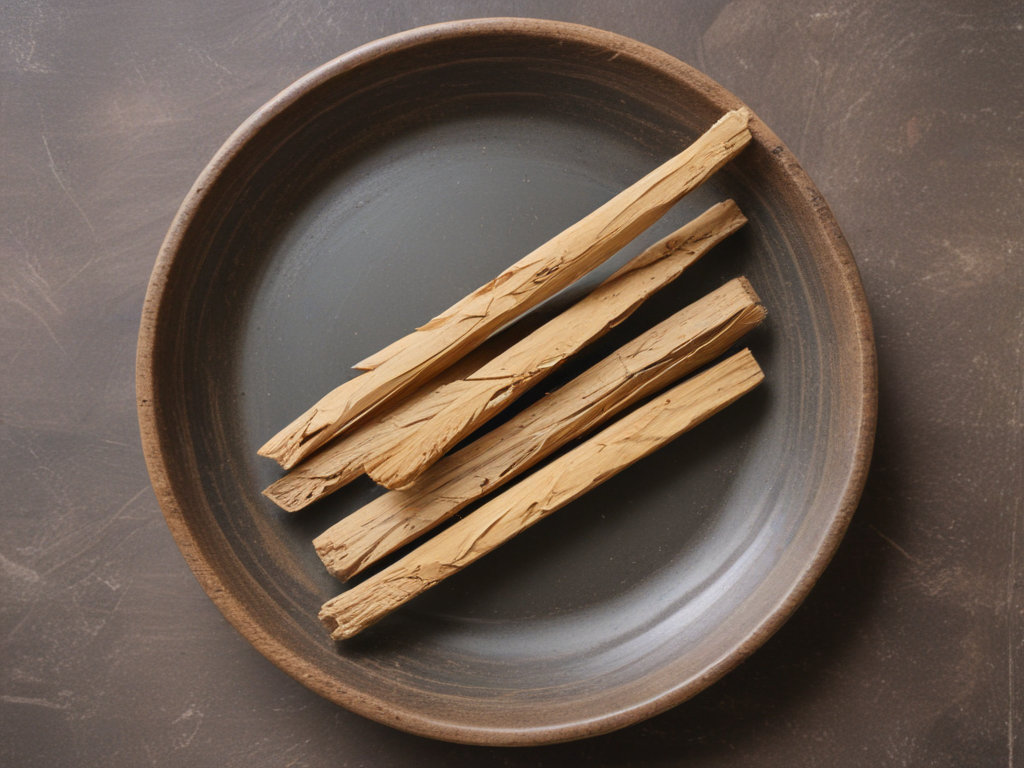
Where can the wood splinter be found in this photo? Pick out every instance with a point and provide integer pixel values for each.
(550, 488)
(685, 341)
(409, 362)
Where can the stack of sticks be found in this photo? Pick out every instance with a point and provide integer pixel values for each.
(423, 394)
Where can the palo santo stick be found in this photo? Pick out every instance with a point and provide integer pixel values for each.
(616, 218)
(548, 489)
(538, 276)
(692, 337)
(474, 400)
(343, 460)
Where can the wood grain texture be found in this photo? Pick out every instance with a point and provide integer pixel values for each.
(692, 337)
(421, 439)
(545, 491)
(536, 277)
(341, 461)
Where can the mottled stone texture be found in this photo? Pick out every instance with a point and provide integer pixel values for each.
(908, 116)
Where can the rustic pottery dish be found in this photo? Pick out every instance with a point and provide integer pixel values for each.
(376, 191)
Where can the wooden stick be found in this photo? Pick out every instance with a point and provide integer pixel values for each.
(483, 394)
(548, 489)
(692, 337)
(343, 460)
(538, 276)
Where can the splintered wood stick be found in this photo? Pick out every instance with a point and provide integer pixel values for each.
(692, 337)
(536, 355)
(636, 435)
(417, 357)
(422, 440)
(341, 461)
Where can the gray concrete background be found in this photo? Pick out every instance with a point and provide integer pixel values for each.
(909, 117)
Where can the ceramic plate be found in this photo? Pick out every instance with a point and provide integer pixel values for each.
(377, 191)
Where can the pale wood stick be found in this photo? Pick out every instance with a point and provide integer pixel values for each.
(538, 276)
(692, 337)
(343, 460)
(711, 151)
(546, 490)
(483, 394)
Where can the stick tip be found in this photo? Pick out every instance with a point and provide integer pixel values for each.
(328, 551)
(277, 450)
(730, 205)
(742, 116)
(742, 367)
(747, 360)
(330, 622)
(730, 212)
(277, 493)
(747, 288)
(394, 475)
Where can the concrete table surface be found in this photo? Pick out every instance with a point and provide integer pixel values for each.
(910, 650)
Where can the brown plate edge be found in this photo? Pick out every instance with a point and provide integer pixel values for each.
(863, 358)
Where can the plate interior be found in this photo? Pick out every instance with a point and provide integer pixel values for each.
(380, 198)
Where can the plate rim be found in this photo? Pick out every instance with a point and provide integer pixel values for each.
(234, 610)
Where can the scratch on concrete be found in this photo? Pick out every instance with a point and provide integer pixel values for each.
(191, 715)
(31, 702)
(899, 549)
(38, 316)
(131, 501)
(83, 542)
(13, 570)
(64, 186)
(819, 79)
